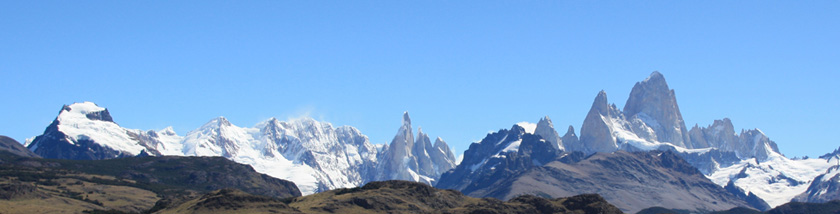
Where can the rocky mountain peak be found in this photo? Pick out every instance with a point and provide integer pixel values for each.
(570, 131)
(601, 104)
(407, 159)
(830, 155)
(655, 104)
(545, 120)
(722, 125)
(546, 130)
(406, 121)
(596, 134)
(222, 121)
(655, 78)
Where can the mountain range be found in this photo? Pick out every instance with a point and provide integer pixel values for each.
(315, 155)
(748, 163)
(643, 147)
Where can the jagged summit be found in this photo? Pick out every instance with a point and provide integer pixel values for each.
(570, 131)
(406, 119)
(315, 155)
(656, 105)
(545, 128)
(415, 159)
(600, 104)
(655, 78)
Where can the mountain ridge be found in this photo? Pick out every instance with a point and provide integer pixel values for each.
(319, 156)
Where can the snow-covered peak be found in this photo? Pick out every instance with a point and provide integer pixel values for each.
(87, 121)
(83, 108)
(167, 131)
(529, 127)
(216, 123)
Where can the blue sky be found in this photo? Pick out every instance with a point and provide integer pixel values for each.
(461, 68)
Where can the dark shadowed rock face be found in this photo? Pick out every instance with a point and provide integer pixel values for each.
(823, 188)
(494, 157)
(750, 198)
(11, 145)
(54, 144)
(835, 153)
(100, 115)
(170, 172)
(831, 207)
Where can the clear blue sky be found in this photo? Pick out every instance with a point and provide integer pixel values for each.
(461, 68)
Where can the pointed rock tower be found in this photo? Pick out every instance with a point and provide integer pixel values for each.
(407, 159)
(652, 102)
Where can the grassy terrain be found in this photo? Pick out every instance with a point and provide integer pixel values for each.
(388, 197)
(65, 193)
(124, 185)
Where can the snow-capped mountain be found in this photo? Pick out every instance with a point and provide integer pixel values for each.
(87, 131)
(417, 160)
(516, 161)
(314, 155)
(651, 120)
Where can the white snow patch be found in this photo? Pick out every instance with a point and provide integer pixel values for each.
(530, 128)
(512, 147)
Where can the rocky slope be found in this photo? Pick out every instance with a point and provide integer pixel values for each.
(631, 181)
(11, 145)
